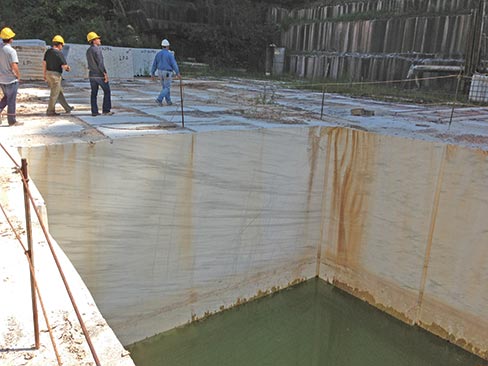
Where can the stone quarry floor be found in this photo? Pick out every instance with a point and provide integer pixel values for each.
(230, 104)
(209, 105)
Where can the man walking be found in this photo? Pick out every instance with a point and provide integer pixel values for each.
(164, 65)
(9, 75)
(98, 75)
(53, 65)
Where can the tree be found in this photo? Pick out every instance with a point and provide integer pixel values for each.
(73, 19)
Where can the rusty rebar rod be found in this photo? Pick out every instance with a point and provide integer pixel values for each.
(30, 252)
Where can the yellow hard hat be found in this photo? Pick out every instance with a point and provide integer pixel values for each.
(58, 38)
(7, 33)
(91, 36)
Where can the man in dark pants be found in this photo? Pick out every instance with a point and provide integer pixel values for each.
(9, 75)
(98, 75)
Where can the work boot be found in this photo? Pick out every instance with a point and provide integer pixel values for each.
(52, 114)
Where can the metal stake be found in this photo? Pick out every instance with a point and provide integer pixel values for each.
(455, 99)
(323, 100)
(181, 96)
(28, 229)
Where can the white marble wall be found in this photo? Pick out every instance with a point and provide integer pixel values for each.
(404, 230)
(118, 61)
(143, 60)
(165, 229)
(76, 57)
(121, 62)
(170, 228)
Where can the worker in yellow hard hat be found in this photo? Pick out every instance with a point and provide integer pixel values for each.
(9, 75)
(98, 75)
(91, 36)
(53, 65)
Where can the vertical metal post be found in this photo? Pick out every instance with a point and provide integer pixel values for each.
(28, 229)
(323, 100)
(455, 99)
(181, 97)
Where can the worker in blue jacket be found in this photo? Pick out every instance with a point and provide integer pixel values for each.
(164, 65)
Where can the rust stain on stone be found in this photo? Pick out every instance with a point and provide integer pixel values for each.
(351, 161)
(314, 140)
(370, 299)
(461, 342)
(243, 300)
(315, 136)
(431, 327)
(186, 200)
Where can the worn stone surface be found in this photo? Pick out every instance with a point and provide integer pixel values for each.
(16, 319)
(404, 231)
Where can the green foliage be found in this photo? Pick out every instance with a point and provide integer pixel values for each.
(222, 33)
(235, 34)
(73, 19)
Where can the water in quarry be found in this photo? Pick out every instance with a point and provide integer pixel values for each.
(310, 324)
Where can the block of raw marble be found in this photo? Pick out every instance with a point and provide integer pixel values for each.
(143, 59)
(76, 58)
(404, 230)
(118, 62)
(170, 228)
(378, 202)
(30, 53)
(455, 300)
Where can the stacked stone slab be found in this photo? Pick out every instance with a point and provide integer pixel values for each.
(373, 40)
(121, 63)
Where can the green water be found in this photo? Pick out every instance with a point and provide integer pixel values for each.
(310, 324)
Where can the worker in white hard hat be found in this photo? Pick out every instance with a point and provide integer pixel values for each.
(164, 65)
(98, 75)
(9, 75)
(53, 65)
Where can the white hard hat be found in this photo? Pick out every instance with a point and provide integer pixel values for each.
(165, 43)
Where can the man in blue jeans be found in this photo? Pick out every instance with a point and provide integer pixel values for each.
(98, 75)
(9, 75)
(164, 65)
